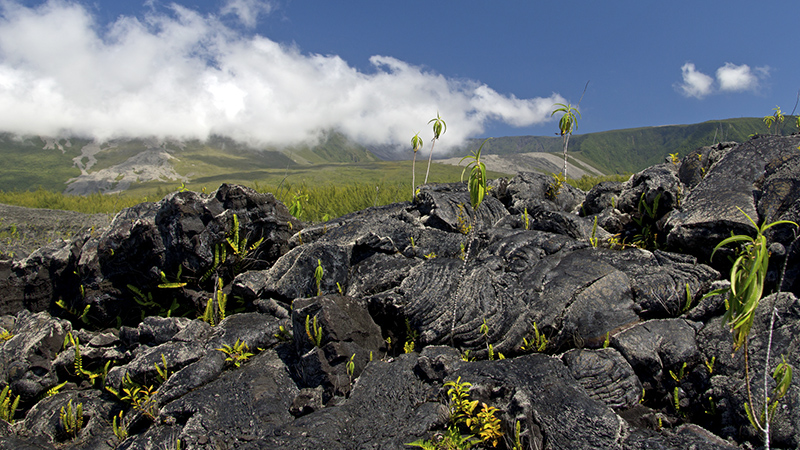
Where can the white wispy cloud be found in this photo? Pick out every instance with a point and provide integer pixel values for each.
(247, 10)
(729, 78)
(186, 75)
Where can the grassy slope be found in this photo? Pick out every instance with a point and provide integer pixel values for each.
(631, 150)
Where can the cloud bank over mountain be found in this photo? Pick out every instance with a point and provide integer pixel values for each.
(186, 75)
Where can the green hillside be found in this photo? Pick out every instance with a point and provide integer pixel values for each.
(631, 150)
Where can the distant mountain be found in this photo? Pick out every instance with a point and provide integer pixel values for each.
(631, 150)
(82, 166)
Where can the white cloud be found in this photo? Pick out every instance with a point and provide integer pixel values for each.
(730, 78)
(695, 83)
(247, 10)
(186, 75)
(739, 78)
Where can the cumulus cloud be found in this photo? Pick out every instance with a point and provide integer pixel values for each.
(740, 78)
(695, 83)
(187, 75)
(729, 78)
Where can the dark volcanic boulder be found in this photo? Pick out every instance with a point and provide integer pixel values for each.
(528, 190)
(26, 360)
(713, 209)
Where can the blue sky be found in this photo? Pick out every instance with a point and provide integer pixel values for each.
(280, 71)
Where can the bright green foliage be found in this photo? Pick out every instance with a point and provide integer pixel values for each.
(167, 284)
(538, 342)
(5, 334)
(566, 125)
(238, 354)
(439, 128)
(747, 279)
(485, 425)
(215, 306)
(554, 188)
(120, 427)
(416, 144)
(163, 371)
(314, 331)
(460, 406)
(80, 371)
(297, 203)
(82, 315)
(477, 177)
(481, 427)
(674, 158)
(526, 219)
(776, 118)
(283, 334)
(319, 272)
(54, 390)
(141, 398)
(72, 419)
(8, 407)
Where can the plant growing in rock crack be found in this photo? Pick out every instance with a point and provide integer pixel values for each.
(215, 306)
(439, 128)
(484, 330)
(238, 353)
(314, 331)
(5, 334)
(566, 125)
(537, 343)
(71, 419)
(319, 272)
(776, 119)
(141, 398)
(120, 427)
(411, 338)
(8, 407)
(468, 425)
(80, 371)
(645, 219)
(747, 278)
(162, 371)
(416, 144)
(554, 187)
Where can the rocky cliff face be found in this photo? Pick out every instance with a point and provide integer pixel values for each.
(224, 322)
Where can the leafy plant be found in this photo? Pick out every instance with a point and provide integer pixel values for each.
(238, 353)
(119, 427)
(485, 425)
(566, 125)
(526, 219)
(8, 407)
(283, 334)
(476, 183)
(72, 419)
(416, 144)
(319, 272)
(776, 118)
(314, 331)
(80, 371)
(5, 334)
(748, 276)
(674, 158)
(296, 206)
(554, 188)
(538, 342)
(439, 128)
(215, 306)
(163, 371)
(141, 398)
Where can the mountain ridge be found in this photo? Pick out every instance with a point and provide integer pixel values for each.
(81, 166)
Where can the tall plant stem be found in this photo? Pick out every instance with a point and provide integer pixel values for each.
(566, 144)
(414, 177)
(430, 157)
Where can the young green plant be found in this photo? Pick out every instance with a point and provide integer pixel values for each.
(747, 277)
(416, 144)
(566, 125)
(439, 128)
